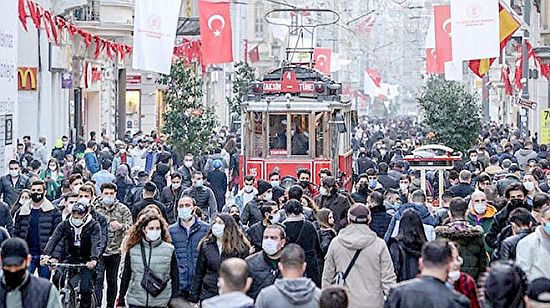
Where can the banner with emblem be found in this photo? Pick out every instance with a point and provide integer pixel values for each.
(154, 34)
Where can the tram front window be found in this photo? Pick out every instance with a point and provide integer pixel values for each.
(277, 135)
(300, 134)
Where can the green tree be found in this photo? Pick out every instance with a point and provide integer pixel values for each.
(187, 122)
(451, 113)
(245, 74)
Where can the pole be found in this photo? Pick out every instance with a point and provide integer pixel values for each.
(77, 113)
(121, 104)
(485, 97)
(525, 56)
(245, 51)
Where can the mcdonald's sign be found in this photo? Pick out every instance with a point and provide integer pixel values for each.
(27, 78)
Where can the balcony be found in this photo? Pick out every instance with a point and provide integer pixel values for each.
(109, 18)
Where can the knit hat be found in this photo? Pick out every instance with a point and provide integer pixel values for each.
(278, 192)
(263, 186)
(359, 214)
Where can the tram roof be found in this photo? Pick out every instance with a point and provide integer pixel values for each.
(281, 104)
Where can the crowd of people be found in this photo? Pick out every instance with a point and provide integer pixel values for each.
(152, 229)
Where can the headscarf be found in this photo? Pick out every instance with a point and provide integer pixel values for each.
(122, 172)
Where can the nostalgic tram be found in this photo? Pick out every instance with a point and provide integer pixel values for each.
(296, 117)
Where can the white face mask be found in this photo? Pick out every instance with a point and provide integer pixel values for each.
(217, 230)
(529, 186)
(323, 191)
(275, 218)
(152, 235)
(76, 189)
(275, 183)
(188, 164)
(454, 275)
(248, 188)
(14, 173)
(199, 183)
(176, 186)
(480, 208)
(268, 196)
(403, 186)
(270, 246)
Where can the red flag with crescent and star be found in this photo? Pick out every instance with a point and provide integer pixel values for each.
(442, 24)
(216, 35)
(322, 59)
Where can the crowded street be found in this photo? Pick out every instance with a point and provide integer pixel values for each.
(274, 154)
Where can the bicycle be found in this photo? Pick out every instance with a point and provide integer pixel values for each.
(69, 290)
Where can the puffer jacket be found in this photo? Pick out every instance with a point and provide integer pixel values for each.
(186, 244)
(115, 212)
(404, 258)
(339, 205)
(48, 221)
(422, 210)
(470, 245)
(485, 221)
(205, 282)
(263, 272)
(372, 275)
(91, 161)
(10, 193)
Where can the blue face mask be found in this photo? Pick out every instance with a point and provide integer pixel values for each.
(372, 183)
(547, 228)
(185, 213)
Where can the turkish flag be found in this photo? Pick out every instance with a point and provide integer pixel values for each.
(216, 36)
(433, 66)
(442, 24)
(254, 54)
(322, 59)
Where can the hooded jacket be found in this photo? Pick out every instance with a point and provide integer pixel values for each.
(524, 155)
(48, 221)
(74, 244)
(484, 221)
(470, 245)
(372, 275)
(422, 210)
(300, 292)
(229, 300)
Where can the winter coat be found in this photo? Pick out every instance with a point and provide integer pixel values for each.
(470, 245)
(339, 205)
(186, 244)
(120, 213)
(494, 237)
(263, 272)
(10, 193)
(404, 258)
(133, 196)
(503, 183)
(507, 249)
(35, 293)
(185, 172)
(372, 275)
(524, 155)
(422, 210)
(205, 281)
(325, 236)
(159, 176)
(229, 300)
(425, 292)
(169, 198)
(299, 292)
(303, 233)
(204, 199)
(255, 235)
(63, 243)
(6, 220)
(91, 161)
(387, 181)
(380, 220)
(251, 213)
(48, 221)
(104, 225)
(218, 184)
(359, 197)
(462, 190)
(485, 221)
(533, 253)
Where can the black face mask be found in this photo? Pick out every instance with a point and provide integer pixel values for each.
(236, 217)
(304, 183)
(517, 203)
(14, 279)
(363, 188)
(37, 197)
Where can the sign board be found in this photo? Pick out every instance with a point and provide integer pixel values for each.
(66, 81)
(544, 133)
(27, 78)
(8, 129)
(133, 79)
(289, 84)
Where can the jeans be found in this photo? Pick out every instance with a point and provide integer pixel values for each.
(111, 264)
(86, 288)
(99, 276)
(43, 271)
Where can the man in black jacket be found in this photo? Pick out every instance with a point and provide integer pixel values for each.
(263, 265)
(12, 183)
(135, 194)
(170, 195)
(430, 290)
(330, 198)
(380, 219)
(464, 187)
(256, 232)
(383, 178)
(520, 219)
(149, 192)
(77, 240)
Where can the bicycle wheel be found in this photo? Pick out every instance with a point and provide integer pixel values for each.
(73, 301)
(93, 302)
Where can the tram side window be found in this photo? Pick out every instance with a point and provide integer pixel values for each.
(277, 135)
(300, 134)
(257, 129)
(319, 134)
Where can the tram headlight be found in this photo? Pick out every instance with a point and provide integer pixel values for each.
(257, 87)
(320, 87)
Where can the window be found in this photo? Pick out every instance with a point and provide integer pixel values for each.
(256, 134)
(277, 135)
(320, 127)
(259, 21)
(300, 134)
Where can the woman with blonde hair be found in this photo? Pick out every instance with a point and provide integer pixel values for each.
(224, 240)
(150, 273)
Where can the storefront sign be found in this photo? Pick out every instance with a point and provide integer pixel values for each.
(27, 78)
(544, 127)
(8, 129)
(133, 79)
(66, 81)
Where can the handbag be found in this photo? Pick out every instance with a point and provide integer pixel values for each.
(150, 282)
(340, 278)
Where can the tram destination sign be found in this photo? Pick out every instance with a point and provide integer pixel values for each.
(288, 84)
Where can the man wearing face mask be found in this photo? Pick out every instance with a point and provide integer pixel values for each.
(533, 251)
(429, 290)
(170, 195)
(12, 183)
(77, 240)
(331, 199)
(270, 216)
(203, 196)
(251, 213)
(18, 288)
(186, 234)
(247, 193)
(186, 170)
(481, 213)
(35, 222)
(304, 179)
(120, 220)
(263, 264)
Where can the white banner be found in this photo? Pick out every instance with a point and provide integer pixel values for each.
(453, 70)
(430, 36)
(475, 29)
(154, 34)
(8, 81)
